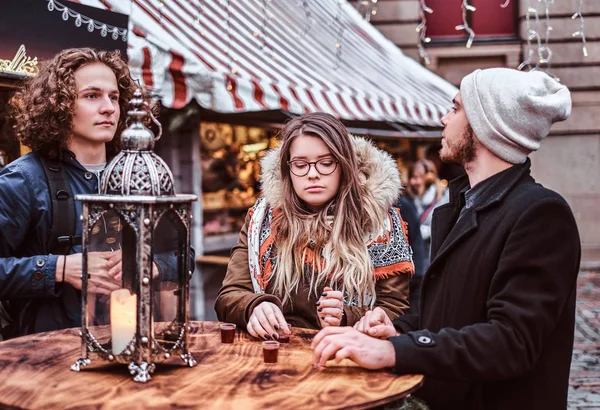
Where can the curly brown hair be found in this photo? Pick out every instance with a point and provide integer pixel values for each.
(42, 112)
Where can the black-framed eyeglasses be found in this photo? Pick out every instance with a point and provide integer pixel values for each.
(300, 168)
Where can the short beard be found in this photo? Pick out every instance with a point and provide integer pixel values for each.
(465, 151)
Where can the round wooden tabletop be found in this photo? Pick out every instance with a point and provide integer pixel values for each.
(35, 373)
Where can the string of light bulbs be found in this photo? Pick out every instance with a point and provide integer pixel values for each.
(231, 59)
(307, 18)
(337, 22)
(581, 31)
(466, 7)
(367, 8)
(265, 10)
(161, 5)
(544, 52)
(90, 23)
(199, 12)
(530, 34)
(424, 9)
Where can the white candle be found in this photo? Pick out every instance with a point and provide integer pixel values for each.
(123, 307)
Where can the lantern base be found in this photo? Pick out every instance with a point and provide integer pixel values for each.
(188, 359)
(81, 362)
(142, 372)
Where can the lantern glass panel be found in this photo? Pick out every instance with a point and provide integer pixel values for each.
(111, 303)
(169, 248)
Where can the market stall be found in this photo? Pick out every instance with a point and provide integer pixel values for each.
(223, 64)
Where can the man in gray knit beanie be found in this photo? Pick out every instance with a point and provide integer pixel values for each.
(511, 111)
(497, 312)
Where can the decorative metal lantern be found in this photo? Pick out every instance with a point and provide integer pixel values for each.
(139, 313)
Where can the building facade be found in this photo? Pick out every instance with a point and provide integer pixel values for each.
(569, 160)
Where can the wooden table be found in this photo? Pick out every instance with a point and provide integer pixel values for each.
(35, 373)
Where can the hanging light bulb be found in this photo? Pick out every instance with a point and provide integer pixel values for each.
(466, 7)
(581, 31)
(424, 9)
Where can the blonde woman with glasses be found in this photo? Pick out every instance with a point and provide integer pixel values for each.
(323, 244)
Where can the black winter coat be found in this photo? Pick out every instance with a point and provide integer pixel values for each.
(498, 300)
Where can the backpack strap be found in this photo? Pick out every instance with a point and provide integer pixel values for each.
(62, 234)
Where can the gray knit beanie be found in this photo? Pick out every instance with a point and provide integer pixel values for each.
(510, 111)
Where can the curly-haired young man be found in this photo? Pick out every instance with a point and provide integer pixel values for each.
(69, 113)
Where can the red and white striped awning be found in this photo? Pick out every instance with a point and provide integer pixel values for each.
(254, 55)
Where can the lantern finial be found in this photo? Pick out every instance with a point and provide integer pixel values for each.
(136, 137)
(137, 170)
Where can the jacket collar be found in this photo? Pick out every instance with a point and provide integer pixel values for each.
(446, 231)
(496, 191)
(68, 158)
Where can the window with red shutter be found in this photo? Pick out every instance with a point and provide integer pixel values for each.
(489, 21)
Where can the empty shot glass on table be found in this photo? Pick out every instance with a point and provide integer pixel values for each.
(227, 332)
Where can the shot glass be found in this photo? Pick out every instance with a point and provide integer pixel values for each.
(227, 332)
(270, 351)
(283, 337)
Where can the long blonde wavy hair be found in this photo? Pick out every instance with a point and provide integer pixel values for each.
(345, 265)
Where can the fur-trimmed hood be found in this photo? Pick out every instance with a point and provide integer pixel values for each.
(379, 177)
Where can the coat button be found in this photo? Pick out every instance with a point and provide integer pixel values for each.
(424, 340)
(88, 175)
(38, 274)
(39, 263)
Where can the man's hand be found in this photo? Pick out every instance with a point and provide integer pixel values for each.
(376, 323)
(346, 343)
(266, 320)
(330, 307)
(115, 265)
(99, 265)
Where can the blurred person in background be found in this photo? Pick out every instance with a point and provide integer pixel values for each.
(409, 214)
(427, 193)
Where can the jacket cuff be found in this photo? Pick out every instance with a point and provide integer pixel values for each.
(408, 348)
(406, 323)
(260, 298)
(43, 275)
(167, 267)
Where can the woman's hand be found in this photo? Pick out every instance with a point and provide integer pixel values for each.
(330, 307)
(266, 320)
(115, 264)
